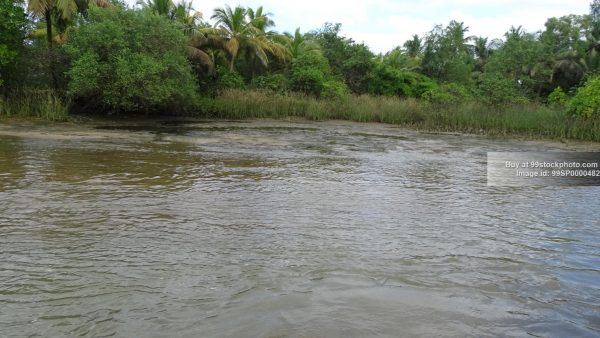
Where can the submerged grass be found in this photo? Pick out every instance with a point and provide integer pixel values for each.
(43, 104)
(529, 119)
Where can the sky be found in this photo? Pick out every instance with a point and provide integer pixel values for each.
(384, 24)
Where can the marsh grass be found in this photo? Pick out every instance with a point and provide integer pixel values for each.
(528, 119)
(43, 104)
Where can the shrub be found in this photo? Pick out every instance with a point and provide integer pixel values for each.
(495, 90)
(586, 101)
(127, 60)
(447, 94)
(308, 81)
(557, 98)
(274, 82)
(308, 74)
(12, 32)
(229, 80)
(390, 81)
(333, 89)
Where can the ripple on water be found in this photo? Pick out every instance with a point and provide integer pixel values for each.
(286, 229)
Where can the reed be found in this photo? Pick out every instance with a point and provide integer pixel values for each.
(528, 119)
(42, 104)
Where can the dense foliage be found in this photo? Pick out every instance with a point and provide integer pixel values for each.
(129, 60)
(12, 32)
(586, 101)
(162, 56)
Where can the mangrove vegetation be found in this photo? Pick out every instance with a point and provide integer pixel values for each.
(61, 58)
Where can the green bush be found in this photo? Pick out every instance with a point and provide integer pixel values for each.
(12, 32)
(557, 98)
(126, 60)
(273, 82)
(309, 81)
(495, 90)
(390, 81)
(586, 101)
(229, 80)
(333, 89)
(309, 73)
(448, 94)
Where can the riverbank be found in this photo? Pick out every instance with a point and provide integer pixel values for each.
(529, 120)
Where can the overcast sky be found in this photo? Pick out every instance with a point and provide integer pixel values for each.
(384, 24)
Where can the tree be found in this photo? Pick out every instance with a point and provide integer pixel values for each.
(595, 10)
(349, 61)
(481, 49)
(199, 37)
(525, 61)
(127, 60)
(414, 46)
(399, 59)
(299, 44)
(568, 40)
(12, 32)
(358, 67)
(308, 73)
(260, 20)
(240, 34)
(60, 13)
(446, 55)
(391, 81)
(586, 101)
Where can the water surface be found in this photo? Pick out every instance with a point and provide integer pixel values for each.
(286, 229)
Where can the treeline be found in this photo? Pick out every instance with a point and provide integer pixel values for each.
(164, 57)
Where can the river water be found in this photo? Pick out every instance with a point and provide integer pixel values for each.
(286, 229)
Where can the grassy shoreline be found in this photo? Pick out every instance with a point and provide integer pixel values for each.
(41, 104)
(531, 120)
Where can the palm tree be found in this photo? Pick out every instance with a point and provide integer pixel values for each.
(63, 12)
(187, 16)
(298, 44)
(455, 35)
(260, 20)
(200, 36)
(482, 48)
(414, 46)
(160, 7)
(515, 33)
(240, 34)
(234, 30)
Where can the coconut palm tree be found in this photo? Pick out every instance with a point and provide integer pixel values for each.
(414, 46)
(235, 31)
(298, 44)
(160, 7)
(241, 34)
(201, 37)
(259, 19)
(187, 16)
(60, 14)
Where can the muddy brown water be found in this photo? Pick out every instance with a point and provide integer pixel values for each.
(286, 229)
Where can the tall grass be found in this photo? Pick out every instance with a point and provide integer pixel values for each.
(43, 104)
(527, 119)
